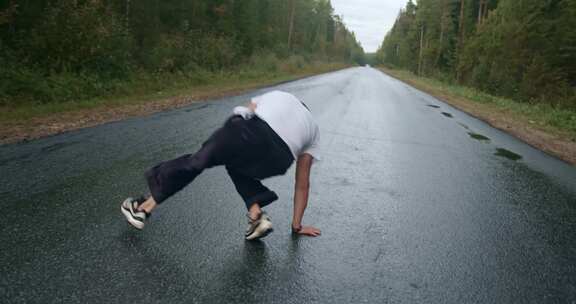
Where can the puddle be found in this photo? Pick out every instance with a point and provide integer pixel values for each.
(58, 146)
(342, 181)
(447, 114)
(414, 285)
(197, 108)
(434, 106)
(478, 136)
(507, 154)
(463, 125)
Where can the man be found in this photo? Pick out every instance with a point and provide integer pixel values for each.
(259, 141)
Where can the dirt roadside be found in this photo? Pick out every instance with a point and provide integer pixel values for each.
(13, 132)
(38, 127)
(558, 145)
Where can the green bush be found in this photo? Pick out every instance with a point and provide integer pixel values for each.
(264, 61)
(212, 52)
(73, 50)
(293, 64)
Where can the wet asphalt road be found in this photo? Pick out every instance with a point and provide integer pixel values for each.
(417, 201)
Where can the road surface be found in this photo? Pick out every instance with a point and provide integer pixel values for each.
(417, 201)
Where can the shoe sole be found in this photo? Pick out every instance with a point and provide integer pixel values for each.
(261, 231)
(128, 214)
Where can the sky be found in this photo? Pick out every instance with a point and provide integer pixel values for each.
(370, 20)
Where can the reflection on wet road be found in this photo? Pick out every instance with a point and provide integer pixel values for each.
(417, 202)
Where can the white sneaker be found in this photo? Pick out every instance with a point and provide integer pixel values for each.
(134, 216)
(259, 228)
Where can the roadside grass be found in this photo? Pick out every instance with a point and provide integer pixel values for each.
(147, 89)
(551, 119)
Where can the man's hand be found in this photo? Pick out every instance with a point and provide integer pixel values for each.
(245, 112)
(307, 230)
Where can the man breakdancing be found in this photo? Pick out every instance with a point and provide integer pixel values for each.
(259, 141)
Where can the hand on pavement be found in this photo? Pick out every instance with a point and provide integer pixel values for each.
(245, 112)
(309, 231)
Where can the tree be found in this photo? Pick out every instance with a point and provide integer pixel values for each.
(292, 13)
(98, 41)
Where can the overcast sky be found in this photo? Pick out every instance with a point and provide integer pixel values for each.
(370, 20)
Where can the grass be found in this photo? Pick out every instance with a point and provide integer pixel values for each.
(558, 121)
(147, 89)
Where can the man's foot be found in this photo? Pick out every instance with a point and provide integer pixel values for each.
(134, 216)
(259, 227)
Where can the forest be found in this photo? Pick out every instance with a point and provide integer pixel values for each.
(519, 49)
(62, 50)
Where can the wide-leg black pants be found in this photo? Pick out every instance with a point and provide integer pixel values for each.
(250, 150)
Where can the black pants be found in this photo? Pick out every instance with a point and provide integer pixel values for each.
(250, 150)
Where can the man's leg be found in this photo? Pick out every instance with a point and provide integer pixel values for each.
(169, 177)
(164, 180)
(224, 145)
(255, 196)
(252, 191)
(271, 158)
(148, 205)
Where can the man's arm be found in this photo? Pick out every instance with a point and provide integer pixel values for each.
(301, 190)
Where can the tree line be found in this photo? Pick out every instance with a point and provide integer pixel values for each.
(88, 45)
(521, 49)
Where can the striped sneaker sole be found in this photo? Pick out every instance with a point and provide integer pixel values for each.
(263, 229)
(135, 218)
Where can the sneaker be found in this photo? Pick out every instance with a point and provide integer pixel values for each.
(134, 216)
(259, 227)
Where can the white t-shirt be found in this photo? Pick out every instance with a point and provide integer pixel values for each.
(291, 120)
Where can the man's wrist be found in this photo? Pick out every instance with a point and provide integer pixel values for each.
(296, 228)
